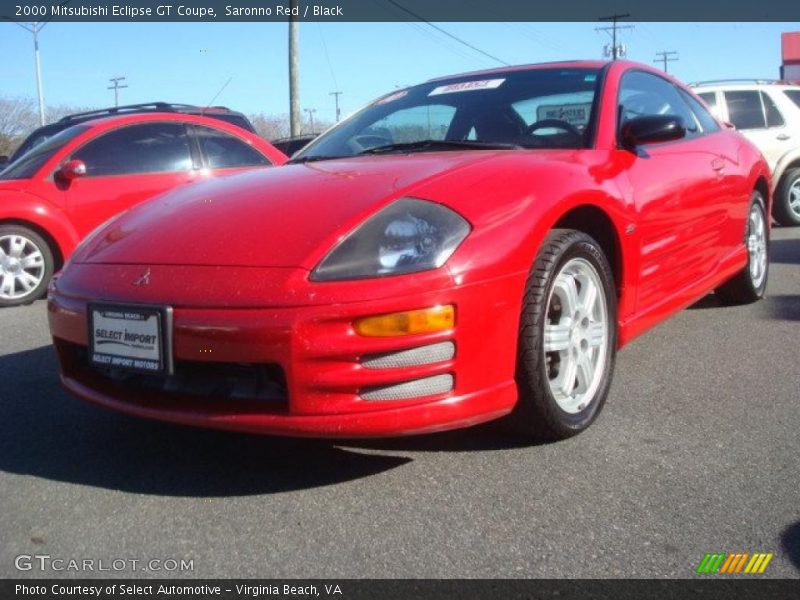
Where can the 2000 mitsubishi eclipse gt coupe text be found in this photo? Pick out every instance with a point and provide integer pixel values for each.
(472, 247)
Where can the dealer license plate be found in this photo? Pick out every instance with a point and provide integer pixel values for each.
(129, 337)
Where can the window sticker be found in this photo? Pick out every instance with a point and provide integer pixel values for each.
(467, 86)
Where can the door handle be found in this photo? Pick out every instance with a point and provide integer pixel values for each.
(718, 165)
(783, 137)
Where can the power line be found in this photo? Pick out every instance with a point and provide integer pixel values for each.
(615, 48)
(667, 56)
(447, 33)
(116, 87)
(327, 56)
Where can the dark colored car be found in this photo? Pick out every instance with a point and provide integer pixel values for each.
(290, 145)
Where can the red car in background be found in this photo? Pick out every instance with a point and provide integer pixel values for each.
(460, 250)
(52, 196)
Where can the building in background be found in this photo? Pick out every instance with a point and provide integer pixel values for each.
(790, 53)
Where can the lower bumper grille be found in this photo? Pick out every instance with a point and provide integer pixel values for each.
(198, 379)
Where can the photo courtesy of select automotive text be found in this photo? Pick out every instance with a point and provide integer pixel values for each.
(400, 299)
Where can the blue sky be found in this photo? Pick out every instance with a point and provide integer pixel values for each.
(190, 62)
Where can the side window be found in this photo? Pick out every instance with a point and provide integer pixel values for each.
(224, 151)
(794, 96)
(710, 98)
(774, 116)
(745, 109)
(707, 122)
(643, 94)
(146, 148)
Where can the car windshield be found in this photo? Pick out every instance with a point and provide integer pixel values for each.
(535, 108)
(26, 165)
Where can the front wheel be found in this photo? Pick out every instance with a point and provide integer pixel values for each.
(567, 338)
(26, 265)
(750, 283)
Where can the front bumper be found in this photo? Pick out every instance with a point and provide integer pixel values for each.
(320, 358)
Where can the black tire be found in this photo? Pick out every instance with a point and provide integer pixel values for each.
(33, 239)
(741, 288)
(782, 211)
(537, 412)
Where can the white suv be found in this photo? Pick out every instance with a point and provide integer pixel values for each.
(768, 114)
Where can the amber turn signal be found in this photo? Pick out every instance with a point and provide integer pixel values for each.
(426, 320)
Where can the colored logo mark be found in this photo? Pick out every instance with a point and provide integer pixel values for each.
(734, 563)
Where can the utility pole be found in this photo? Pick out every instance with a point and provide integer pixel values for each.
(615, 48)
(294, 67)
(311, 112)
(35, 28)
(667, 56)
(336, 99)
(116, 87)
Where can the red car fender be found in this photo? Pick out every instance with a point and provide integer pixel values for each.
(527, 208)
(31, 211)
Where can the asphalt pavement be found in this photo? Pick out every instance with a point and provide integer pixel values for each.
(696, 451)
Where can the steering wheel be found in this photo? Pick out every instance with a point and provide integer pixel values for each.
(554, 124)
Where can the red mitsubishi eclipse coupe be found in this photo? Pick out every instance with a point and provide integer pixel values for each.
(470, 247)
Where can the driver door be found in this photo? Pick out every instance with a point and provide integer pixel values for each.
(679, 191)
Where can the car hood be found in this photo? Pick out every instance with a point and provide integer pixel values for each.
(288, 216)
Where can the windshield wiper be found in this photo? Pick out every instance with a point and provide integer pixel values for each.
(307, 159)
(434, 145)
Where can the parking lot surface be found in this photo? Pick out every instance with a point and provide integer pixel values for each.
(696, 451)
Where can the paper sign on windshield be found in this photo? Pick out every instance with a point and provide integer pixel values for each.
(467, 86)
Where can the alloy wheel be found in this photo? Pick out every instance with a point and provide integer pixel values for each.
(576, 335)
(22, 266)
(757, 245)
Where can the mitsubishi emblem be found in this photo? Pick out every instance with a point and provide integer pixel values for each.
(144, 278)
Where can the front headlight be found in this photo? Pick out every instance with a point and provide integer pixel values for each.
(405, 237)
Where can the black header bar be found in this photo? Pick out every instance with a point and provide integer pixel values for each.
(140, 11)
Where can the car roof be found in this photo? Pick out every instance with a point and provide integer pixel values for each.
(744, 84)
(108, 122)
(562, 64)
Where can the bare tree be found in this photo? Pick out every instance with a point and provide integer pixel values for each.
(274, 127)
(18, 117)
(271, 127)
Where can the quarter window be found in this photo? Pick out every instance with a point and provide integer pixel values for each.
(745, 109)
(224, 151)
(794, 96)
(146, 148)
(774, 117)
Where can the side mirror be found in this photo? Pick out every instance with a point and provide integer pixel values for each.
(72, 169)
(652, 129)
